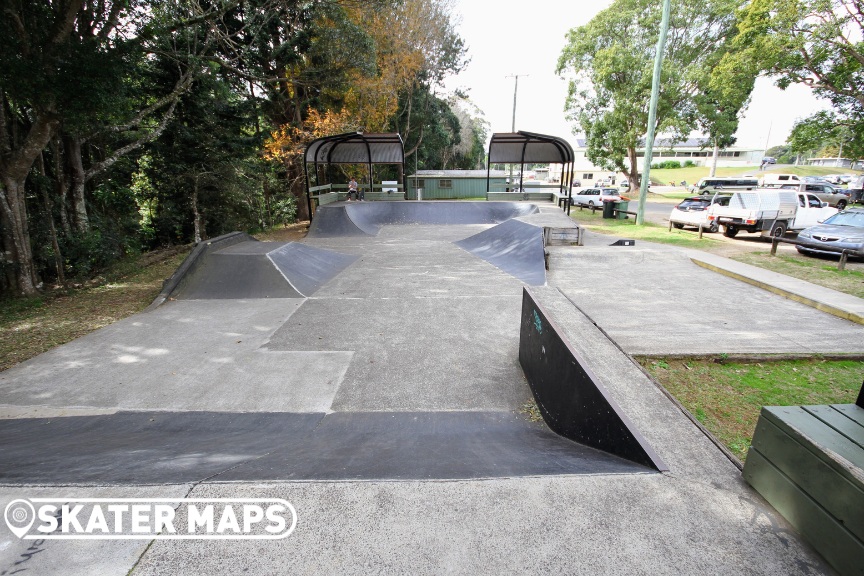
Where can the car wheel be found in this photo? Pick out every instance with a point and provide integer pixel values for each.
(841, 204)
(591, 203)
(779, 230)
(713, 227)
(677, 225)
(730, 231)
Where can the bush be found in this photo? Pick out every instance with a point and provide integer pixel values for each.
(285, 210)
(667, 165)
(689, 164)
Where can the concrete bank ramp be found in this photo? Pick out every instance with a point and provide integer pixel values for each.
(253, 269)
(367, 218)
(514, 247)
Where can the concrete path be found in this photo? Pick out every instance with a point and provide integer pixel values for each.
(389, 408)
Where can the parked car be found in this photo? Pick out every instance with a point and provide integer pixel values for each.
(770, 211)
(835, 197)
(595, 196)
(709, 186)
(769, 160)
(842, 230)
(815, 180)
(694, 211)
(780, 179)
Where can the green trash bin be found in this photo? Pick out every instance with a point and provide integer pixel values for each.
(622, 207)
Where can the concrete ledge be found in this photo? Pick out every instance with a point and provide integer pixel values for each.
(825, 299)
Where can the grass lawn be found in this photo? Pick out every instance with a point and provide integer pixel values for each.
(727, 398)
(649, 232)
(692, 175)
(821, 271)
(29, 327)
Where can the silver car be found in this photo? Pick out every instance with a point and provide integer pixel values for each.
(596, 196)
(842, 230)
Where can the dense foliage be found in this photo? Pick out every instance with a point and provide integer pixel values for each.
(131, 124)
(817, 43)
(609, 62)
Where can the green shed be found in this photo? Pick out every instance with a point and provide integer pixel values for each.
(454, 184)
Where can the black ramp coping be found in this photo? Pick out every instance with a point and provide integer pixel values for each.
(179, 447)
(571, 399)
(515, 247)
(367, 218)
(308, 268)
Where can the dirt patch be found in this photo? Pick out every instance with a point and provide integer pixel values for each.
(286, 233)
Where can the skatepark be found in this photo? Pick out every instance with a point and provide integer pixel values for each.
(374, 375)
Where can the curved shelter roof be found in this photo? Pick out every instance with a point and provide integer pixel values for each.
(528, 147)
(356, 148)
(532, 148)
(353, 148)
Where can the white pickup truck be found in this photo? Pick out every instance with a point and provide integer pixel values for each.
(770, 211)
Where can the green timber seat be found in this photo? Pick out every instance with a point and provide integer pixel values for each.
(808, 462)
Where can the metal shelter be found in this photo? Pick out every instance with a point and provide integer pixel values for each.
(530, 148)
(354, 148)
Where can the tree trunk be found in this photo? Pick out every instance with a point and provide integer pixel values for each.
(714, 160)
(76, 166)
(61, 185)
(195, 214)
(49, 210)
(633, 173)
(15, 165)
(14, 217)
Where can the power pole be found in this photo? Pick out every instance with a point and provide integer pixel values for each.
(513, 125)
(652, 113)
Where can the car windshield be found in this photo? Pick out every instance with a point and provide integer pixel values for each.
(693, 203)
(847, 219)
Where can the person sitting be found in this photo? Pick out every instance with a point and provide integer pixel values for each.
(352, 189)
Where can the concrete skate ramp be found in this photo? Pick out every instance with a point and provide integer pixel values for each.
(180, 447)
(256, 269)
(367, 218)
(515, 247)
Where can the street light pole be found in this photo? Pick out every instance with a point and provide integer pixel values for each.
(652, 113)
(513, 124)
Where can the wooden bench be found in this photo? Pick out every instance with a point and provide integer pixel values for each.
(808, 462)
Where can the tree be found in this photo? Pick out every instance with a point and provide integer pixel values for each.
(817, 43)
(827, 134)
(610, 61)
(70, 65)
(470, 152)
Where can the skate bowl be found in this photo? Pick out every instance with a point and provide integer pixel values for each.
(366, 219)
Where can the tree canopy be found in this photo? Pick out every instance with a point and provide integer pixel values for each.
(610, 61)
(131, 124)
(817, 43)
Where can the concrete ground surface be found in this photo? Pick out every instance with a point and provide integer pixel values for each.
(388, 408)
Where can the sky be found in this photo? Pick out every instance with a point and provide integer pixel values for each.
(515, 37)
